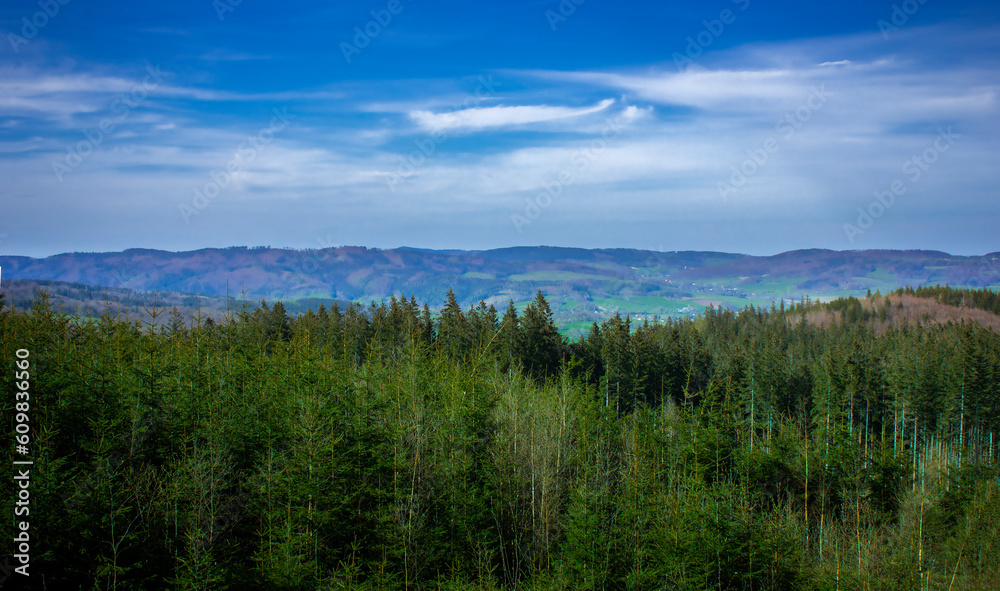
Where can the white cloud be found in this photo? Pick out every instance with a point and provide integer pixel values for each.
(880, 90)
(706, 88)
(330, 166)
(634, 113)
(59, 96)
(487, 117)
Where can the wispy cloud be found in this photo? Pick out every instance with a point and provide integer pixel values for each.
(222, 55)
(682, 131)
(59, 95)
(699, 88)
(489, 117)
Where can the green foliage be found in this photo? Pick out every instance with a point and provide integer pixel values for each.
(379, 448)
(984, 298)
(542, 347)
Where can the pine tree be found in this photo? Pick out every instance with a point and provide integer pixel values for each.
(510, 342)
(543, 345)
(593, 362)
(453, 332)
(618, 364)
(586, 545)
(322, 326)
(357, 332)
(482, 325)
(335, 330)
(278, 327)
(176, 323)
(426, 326)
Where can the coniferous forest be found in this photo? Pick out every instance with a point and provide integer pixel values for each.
(386, 447)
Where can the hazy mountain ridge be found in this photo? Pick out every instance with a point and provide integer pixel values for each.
(564, 274)
(94, 301)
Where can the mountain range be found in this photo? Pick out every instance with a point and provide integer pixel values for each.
(581, 284)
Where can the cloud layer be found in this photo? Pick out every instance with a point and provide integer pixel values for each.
(759, 148)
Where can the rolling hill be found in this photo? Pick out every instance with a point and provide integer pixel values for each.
(581, 284)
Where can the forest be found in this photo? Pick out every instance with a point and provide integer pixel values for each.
(386, 447)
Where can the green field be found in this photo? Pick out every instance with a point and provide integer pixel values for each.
(556, 276)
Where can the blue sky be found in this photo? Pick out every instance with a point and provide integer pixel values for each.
(733, 125)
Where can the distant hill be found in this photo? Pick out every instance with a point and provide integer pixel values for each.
(91, 301)
(892, 310)
(582, 284)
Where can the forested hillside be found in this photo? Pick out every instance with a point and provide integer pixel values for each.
(983, 299)
(588, 284)
(90, 301)
(932, 305)
(382, 448)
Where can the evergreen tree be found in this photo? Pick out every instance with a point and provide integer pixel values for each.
(510, 340)
(214, 458)
(426, 326)
(543, 345)
(356, 334)
(618, 364)
(322, 328)
(482, 325)
(176, 323)
(587, 540)
(278, 327)
(453, 331)
(335, 330)
(587, 352)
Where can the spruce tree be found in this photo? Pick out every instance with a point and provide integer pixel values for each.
(510, 342)
(426, 326)
(542, 342)
(278, 327)
(176, 324)
(453, 329)
(335, 330)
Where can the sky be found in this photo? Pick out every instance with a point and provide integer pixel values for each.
(729, 125)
